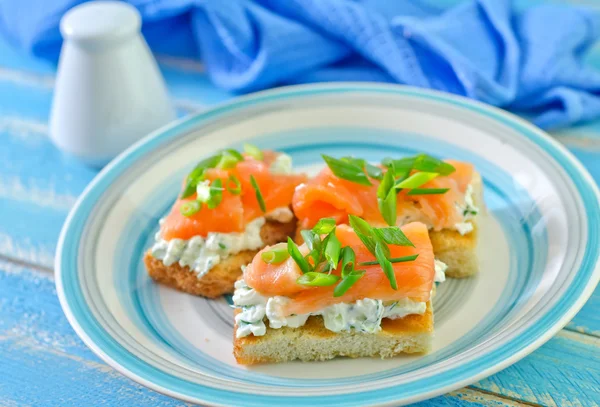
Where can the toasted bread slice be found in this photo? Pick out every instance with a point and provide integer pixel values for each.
(221, 278)
(312, 341)
(456, 250)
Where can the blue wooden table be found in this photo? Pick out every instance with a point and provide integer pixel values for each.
(43, 362)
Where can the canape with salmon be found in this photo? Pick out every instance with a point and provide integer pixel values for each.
(349, 290)
(444, 195)
(232, 204)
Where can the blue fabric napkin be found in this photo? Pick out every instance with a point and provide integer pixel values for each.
(528, 61)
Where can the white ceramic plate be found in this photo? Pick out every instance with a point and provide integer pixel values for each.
(538, 248)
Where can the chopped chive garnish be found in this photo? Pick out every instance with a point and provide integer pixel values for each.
(428, 191)
(312, 258)
(275, 256)
(391, 260)
(253, 151)
(388, 207)
(259, 197)
(227, 161)
(234, 186)
(197, 174)
(399, 166)
(222, 246)
(386, 266)
(427, 163)
(348, 258)
(216, 194)
(332, 251)
(324, 226)
(297, 256)
(314, 279)
(386, 198)
(373, 171)
(417, 179)
(190, 208)
(234, 153)
(363, 231)
(359, 162)
(393, 235)
(347, 170)
(312, 239)
(348, 282)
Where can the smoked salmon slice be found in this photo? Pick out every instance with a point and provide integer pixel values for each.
(414, 278)
(234, 211)
(327, 195)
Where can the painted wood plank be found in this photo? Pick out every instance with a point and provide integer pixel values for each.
(587, 320)
(564, 372)
(35, 335)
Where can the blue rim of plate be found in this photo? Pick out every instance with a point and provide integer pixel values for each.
(95, 337)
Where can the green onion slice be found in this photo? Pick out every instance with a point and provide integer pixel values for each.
(332, 251)
(400, 166)
(259, 197)
(234, 153)
(348, 282)
(253, 151)
(216, 194)
(347, 169)
(324, 226)
(427, 163)
(386, 198)
(391, 260)
(227, 161)
(417, 179)
(234, 186)
(393, 235)
(312, 239)
(297, 256)
(364, 232)
(190, 208)
(197, 174)
(314, 279)
(275, 256)
(348, 259)
(386, 266)
(428, 191)
(374, 171)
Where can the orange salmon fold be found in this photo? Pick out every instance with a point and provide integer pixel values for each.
(327, 196)
(415, 278)
(235, 211)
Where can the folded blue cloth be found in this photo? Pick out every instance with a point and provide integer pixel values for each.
(528, 61)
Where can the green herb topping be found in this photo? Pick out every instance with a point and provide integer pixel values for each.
(408, 173)
(259, 197)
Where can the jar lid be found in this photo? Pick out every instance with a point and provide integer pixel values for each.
(100, 22)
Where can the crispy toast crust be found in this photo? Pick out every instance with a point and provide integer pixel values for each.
(221, 278)
(312, 341)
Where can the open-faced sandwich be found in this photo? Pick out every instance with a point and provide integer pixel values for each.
(232, 205)
(350, 291)
(444, 195)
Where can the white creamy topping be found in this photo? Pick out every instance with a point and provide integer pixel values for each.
(468, 212)
(440, 271)
(362, 316)
(281, 165)
(203, 191)
(201, 254)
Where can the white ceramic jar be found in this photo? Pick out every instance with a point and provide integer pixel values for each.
(109, 92)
